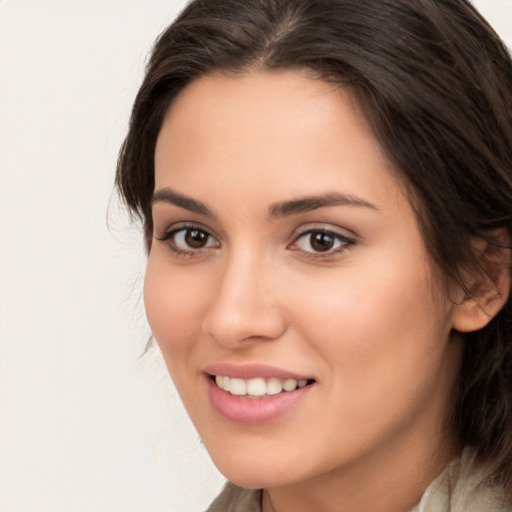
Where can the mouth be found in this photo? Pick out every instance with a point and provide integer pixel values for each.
(255, 394)
(259, 386)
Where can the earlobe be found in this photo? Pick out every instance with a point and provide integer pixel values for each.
(486, 291)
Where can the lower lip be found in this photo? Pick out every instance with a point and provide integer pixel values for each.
(252, 411)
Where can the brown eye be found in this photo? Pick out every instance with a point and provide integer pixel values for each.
(189, 240)
(196, 238)
(322, 242)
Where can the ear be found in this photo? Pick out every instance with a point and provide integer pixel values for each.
(486, 291)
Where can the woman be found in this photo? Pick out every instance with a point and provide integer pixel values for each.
(326, 191)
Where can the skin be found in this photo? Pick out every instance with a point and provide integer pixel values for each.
(368, 320)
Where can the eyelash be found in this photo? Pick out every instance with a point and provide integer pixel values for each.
(169, 237)
(344, 242)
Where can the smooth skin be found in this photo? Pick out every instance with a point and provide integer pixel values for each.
(234, 276)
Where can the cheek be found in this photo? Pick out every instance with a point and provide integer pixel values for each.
(173, 309)
(377, 326)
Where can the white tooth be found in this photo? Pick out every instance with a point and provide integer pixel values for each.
(238, 387)
(290, 385)
(256, 387)
(301, 383)
(219, 379)
(274, 386)
(225, 384)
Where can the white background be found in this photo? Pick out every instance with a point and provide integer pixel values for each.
(85, 424)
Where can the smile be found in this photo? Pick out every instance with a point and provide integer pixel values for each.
(259, 386)
(255, 399)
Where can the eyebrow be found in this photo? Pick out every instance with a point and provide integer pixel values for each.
(310, 203)
(277, 210)
(166, 195)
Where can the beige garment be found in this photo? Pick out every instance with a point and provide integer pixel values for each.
(461, 487)
(236, 499)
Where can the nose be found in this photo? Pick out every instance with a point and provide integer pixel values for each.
(245, 310)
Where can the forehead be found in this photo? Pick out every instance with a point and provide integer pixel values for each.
(284, 125)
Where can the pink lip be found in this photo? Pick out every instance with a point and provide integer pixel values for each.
(252, 411)
(251, 371)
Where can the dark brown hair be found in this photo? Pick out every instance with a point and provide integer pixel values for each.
(434, 81)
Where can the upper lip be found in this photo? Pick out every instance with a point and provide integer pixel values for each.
(252, 371)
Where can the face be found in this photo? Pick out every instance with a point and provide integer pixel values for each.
(288, 285)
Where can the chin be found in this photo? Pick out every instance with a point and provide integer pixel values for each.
(250, 479)
(258, 472)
